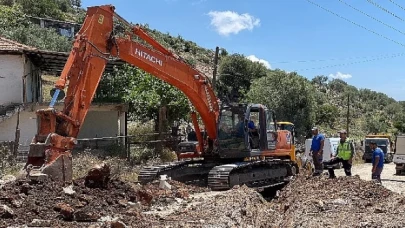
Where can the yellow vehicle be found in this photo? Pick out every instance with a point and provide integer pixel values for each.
(285, 125)
(304, 163)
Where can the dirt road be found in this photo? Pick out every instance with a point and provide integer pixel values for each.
(389, 179)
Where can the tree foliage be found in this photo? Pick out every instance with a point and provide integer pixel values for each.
(327, 114)
(145, 93)
(289, 95)
(236, 73)
(16, 26)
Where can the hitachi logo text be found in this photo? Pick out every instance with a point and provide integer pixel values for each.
(148, 57)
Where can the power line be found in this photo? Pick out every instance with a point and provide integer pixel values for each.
(337, 59)
(352, 63)
(397, 4)
(384, 9)
(361, 26)
(389, 26)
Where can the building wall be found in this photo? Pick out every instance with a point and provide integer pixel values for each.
(27, 127)
(11, 83)
(98, 123)
(15, 71)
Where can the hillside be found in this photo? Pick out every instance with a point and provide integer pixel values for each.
(240, 79)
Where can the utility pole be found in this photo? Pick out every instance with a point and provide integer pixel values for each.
(214, 74)
(348, 112)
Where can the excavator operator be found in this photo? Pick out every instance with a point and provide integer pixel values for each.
(240, 126)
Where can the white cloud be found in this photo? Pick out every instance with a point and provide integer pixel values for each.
(228, 22)
(253, 58)
(340, 75)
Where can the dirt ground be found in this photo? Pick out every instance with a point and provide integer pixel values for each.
(389, 180)
(304, 202)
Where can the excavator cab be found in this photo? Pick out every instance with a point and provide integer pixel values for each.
(246, 131)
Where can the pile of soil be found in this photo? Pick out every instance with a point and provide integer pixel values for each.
(238, 207)
(151, 195)
(340, 202)
(47, 204)
(304, 202)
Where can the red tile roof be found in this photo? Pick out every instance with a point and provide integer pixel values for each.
(12, 46)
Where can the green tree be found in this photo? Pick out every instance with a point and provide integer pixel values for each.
(35, 36)
(11, 17)
(327, 114)
(7, 2)
(145, 93)
(337, 85)
(320, 80)
(41, 8)
(235, 75)
(289, 95)
(376, 124)
(392, 110)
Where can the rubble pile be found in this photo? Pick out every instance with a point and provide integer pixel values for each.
(341, 202)
(305, 202)
(48, 204)
(238, 207)
(152, 194)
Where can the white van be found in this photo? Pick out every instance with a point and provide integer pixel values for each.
(329, 149)
(399, 156)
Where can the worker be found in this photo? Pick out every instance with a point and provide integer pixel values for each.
(344, 154)
(377, 161)
(240, 126)
(317, 150)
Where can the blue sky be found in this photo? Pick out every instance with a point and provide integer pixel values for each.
(293, 35)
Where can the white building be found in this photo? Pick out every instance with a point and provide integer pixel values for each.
(21, 89)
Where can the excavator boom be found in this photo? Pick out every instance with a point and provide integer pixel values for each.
(95, 44)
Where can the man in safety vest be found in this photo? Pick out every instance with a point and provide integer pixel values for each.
(344, 154)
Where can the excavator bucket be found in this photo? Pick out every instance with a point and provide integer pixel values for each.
(305, 164)
(45, 162)
(49, 156)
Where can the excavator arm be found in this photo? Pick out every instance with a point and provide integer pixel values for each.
(94, 45)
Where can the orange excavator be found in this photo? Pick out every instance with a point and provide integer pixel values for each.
(229, 155)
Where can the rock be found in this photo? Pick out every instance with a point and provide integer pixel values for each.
(86, 216)
(163, 183)
(98, 176)
(135, 205)
(118, 224)
(7, 179)
(41, 223)
(339, 201)
(123, 202)
(69, 190)
(25, 188)
(6, 212)
(94, 226)
(65, 210)
(38, 176)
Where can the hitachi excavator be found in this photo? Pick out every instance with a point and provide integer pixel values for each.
(235, 150)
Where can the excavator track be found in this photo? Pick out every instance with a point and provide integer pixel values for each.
(254, 174)
(181, 171)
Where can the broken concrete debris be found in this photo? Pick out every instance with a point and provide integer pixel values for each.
(304, 202)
